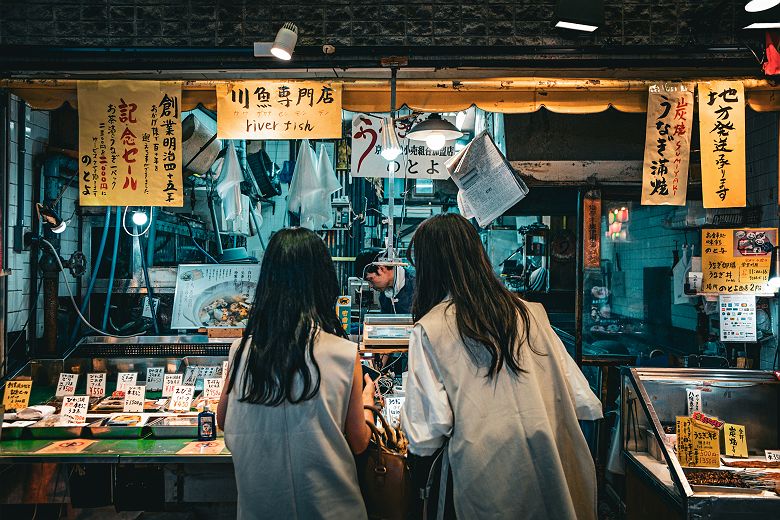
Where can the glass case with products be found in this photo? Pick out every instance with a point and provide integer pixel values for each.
(697, 443)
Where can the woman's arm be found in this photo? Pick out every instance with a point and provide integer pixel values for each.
(357, 431)
(223, 404)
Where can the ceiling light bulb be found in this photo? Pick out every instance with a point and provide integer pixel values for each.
(390, 146)
(435, 141)
(60, 227)
(285, 41)
(755, 6)
(140, 218)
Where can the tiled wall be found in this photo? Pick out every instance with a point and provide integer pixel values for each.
(651, 244)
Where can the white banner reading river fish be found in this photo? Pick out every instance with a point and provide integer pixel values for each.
(667, 145)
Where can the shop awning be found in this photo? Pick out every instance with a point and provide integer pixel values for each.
(507, 95)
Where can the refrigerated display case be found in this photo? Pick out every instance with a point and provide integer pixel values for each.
(657, 485)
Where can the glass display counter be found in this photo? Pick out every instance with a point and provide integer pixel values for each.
(658, 485)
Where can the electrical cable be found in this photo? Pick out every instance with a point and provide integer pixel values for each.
(112, 272)
(148, 226)
(150, 295)
(192, 236)
(73, 299)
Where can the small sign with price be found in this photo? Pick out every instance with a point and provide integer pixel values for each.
(134, 399)
(66, 384)
(74, 409)
(212, 388)
(181, 398)
(96, 384)
(171, 381)
(154, 378)
(125, 379)
(17, 394)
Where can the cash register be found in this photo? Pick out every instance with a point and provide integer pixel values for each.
(387, 330)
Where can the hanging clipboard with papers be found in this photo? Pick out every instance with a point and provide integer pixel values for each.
(487, 184)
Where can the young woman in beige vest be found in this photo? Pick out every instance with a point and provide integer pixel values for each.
(292, 408)
(489, 377)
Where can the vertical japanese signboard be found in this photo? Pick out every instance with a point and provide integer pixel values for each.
(279, 110)
(667, 145)
(737, 261)
(416, 160)
(591, 229)
(130, 143)
(722, 136)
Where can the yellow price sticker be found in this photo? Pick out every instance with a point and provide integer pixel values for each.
(17, 394)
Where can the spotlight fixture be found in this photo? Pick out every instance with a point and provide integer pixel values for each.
(435, 131)
(579, 15)
(285, 41)
(390, 147)
(50, 218)
(140, 218)
(765, 14)
(755, 6)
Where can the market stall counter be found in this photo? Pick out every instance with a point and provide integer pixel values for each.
(701, 444)
(130, 404)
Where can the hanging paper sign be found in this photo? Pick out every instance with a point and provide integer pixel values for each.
(722, 137)
(591, 228)
(171, 381)
(17, 394)
(130, 143)
(224, 369)
(279, 110)
(212, 388)
(74, 409)
(416, 160)
(96, 384)
(125, 379)
(737, 260)
(134, 399)
(667, 145)
(66, 385)
(735, 441)
(154, 378)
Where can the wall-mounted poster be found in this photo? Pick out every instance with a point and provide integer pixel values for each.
(737, 260)
(130, 143)
(214, 296)
(722, 137)
(275, 109)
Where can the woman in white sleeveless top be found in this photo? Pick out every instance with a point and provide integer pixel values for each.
(488, 374)
(292, 408)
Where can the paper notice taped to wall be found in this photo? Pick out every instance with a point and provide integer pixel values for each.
(488, 185)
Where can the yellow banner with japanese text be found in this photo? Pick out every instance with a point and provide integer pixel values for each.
(737, 260)
(130, 143)
(667, 144)
(722, 138)
(275, 109)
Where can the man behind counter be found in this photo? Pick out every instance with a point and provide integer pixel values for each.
(395, 284)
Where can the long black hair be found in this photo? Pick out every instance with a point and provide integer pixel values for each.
(450, 261)
(295, 300)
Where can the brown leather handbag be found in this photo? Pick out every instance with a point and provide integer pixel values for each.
(385, 480)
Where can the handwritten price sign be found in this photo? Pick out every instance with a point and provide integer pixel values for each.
(181, 398)
(171, 381)
(96, 384)
(125, 379)
(17, 395)
(66, 384)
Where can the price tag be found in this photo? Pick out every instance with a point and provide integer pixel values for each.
(392, 410)
(772, 455)
(96, 384)
(212, 388)
(17, 394)
(181, 398)
(74, 409)
(170, 381)
(154, 378)
(224, 369)
(66, 384)
(698, 441)
(134, 399)
(125, 379)
(205, 372)
(735, 441)
(694, 400)
(191, 375)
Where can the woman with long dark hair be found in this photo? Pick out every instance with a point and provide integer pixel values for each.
(292, 408)
(490, 379)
